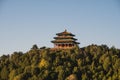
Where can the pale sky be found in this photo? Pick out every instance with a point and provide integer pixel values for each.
(24, 23)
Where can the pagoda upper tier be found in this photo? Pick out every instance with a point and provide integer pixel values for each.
(65, 33)
(65, 40)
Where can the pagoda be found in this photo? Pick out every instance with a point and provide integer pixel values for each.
(64, 40)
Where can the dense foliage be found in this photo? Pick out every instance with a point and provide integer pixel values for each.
(88, 63)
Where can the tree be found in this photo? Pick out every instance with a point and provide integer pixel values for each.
(35, 47)
(43, 63)
(72, 77)
(4, 73)
(12, 74)
(106, 64)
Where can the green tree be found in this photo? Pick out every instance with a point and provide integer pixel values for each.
(106, 63)
(35, 47)
(4, 73)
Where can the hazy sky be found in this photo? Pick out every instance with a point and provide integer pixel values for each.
(27, 22)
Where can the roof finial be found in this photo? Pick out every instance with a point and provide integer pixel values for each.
(65, 30)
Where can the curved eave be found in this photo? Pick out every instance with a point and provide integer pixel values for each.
(77, 42)
(65, 42)
(61, 41)
(65, 38)
(59, 34)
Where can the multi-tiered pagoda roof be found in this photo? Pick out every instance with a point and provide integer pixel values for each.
(64, 40)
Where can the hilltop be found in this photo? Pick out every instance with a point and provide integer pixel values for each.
(89, 63)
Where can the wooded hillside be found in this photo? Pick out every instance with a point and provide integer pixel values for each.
(89, 63)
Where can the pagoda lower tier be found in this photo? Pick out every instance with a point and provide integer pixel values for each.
(64, 45)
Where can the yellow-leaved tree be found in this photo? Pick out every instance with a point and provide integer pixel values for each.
(43, 63)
